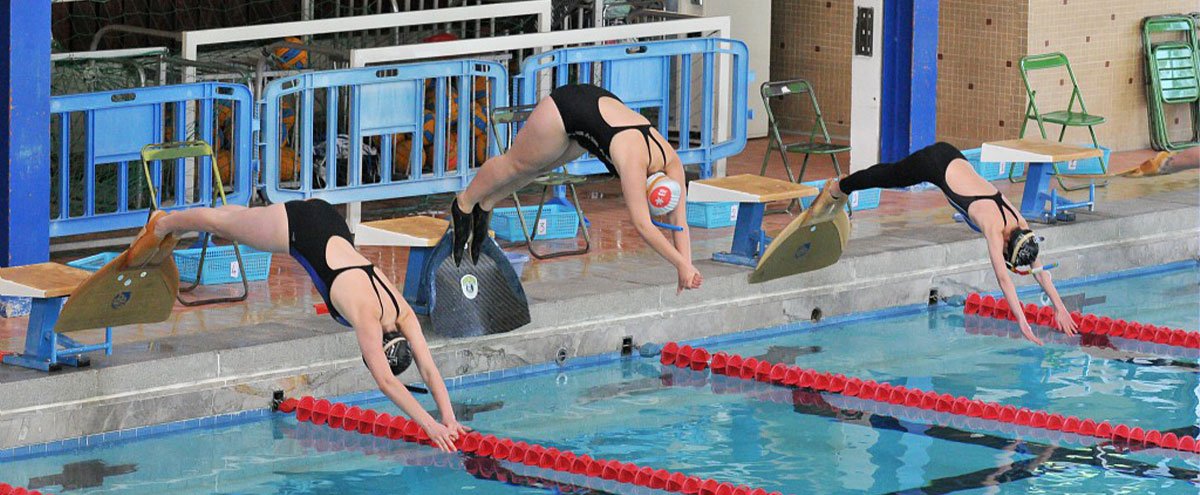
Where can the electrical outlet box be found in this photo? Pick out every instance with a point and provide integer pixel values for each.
(864, 32)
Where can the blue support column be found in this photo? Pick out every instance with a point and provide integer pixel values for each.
(418, 299)
(909, 107)
(25, 132)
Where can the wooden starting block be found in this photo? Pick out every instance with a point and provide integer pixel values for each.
(48, 284)
(753, 192)
(1040, 202)
(420, 234)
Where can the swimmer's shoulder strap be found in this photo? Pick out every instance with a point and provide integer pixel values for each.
(814, 240)
(473, 299)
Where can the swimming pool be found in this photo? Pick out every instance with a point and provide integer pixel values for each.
(747, 433)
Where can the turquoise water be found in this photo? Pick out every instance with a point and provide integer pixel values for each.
(744, 433)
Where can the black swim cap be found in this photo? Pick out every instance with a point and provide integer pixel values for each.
(1021, 248)
(397, 351)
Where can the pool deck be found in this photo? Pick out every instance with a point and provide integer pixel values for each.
(230, 358)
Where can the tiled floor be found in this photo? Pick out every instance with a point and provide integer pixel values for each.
(288, 292)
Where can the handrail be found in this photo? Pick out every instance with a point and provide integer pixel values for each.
(172, 35)
(192, 40)
(361, 57)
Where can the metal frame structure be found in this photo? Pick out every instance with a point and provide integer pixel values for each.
(720, 26)
(118, 124)
(644, 75)
(376, 97)
(193, 40)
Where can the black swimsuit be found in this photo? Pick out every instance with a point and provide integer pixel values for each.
(579, 106)
(928, 164)
(311, 224)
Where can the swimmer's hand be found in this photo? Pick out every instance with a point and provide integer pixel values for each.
(457, 428)
(689, 278)
(1025, 329)
(1063, 321)
(441, 436)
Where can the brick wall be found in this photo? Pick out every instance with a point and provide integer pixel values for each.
(1102, 39)
(813, 40)
(980, 95)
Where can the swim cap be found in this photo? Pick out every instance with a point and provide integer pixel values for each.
(662, 193)
(397, 351)
(1021, 248)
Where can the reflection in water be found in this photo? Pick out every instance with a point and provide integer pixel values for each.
(466, 411)
(86, 474)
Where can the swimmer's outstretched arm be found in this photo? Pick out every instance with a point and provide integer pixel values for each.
(634, 189)
(682, 238)
(370, 333)
(995, 245)
(1062, 315)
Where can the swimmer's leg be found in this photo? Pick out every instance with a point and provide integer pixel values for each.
(263, 228)
(481, 217)
(535, 149)
(925, 165)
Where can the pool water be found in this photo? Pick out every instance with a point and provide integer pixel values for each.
(746, 433)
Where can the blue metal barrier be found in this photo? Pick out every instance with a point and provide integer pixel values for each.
(656, 75)
(97, 136)
(310, 120)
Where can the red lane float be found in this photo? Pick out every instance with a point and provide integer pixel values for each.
(368, 422)
(991, 307)
(946, 403)
(6, 489)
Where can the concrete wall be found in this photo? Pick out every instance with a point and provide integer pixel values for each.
(752, 26)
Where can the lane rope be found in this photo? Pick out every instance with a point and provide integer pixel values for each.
(721, 363)
(370, 422)
(997, 308)
(7, 489)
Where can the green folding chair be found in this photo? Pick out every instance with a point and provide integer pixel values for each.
(1172, 77)
(508, 116)
(1064, 118)
(184, 150)
(776, 90)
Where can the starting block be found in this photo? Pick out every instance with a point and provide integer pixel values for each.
(1040, 202)
(420, 234)
(48, 284)
(752, 192)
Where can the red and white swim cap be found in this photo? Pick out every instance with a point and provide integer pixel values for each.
(662, 193)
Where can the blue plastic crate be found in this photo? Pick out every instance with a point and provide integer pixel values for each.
(221, 266)
(866, 199)
(712, 215)
(1090, 166)
(992, 170)
(557, 222)
(94, 262)
(518, 261)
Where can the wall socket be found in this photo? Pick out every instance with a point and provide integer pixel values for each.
(864, 31)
